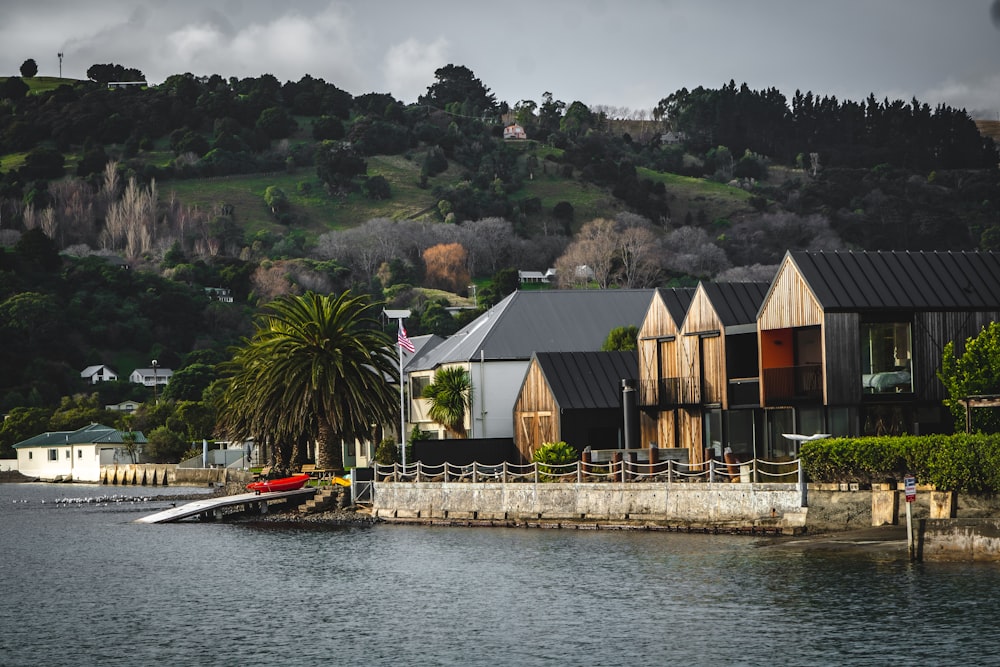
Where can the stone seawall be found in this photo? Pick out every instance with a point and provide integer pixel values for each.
(959, 539)
(720, 506)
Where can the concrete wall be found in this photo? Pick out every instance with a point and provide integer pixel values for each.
(959, 539)
(695, 504)
(171, 475)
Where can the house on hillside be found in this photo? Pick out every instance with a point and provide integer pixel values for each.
(150, 377)
(575, 397)
(851, 342)
(74, 455)
(712, 402)
(99, 373)
(496, 349)
(514, 131)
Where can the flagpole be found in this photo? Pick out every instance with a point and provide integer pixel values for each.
(399, 316)
(402, 413)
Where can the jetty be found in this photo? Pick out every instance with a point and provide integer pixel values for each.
(211, 509)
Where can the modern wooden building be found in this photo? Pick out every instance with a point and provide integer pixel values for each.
(660, 388)
(576, 397)
(706, 373)
(851, 342)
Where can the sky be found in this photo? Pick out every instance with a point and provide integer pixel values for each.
(620, 54)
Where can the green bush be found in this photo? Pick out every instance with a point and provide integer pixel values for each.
(950, 462)
(555, 455)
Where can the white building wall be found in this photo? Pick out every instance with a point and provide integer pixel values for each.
(81, 463)
(495, 385)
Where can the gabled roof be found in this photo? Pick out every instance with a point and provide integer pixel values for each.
(526, 322)
(587, 380)
(736, 304)
(676, 300)
(939, 281)
(88, 435)
(421, 345)
(90, 371)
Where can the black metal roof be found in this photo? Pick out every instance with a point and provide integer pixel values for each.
(545, 320)
(677, 300)
(587, 380)
(941, 281)
(736, 303)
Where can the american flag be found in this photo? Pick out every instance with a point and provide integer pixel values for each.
(404, 340)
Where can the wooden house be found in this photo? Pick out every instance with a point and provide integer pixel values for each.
(576, 397)
(660, 393)
(851, 342)
(705, 397)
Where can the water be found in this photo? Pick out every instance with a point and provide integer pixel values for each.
(81, 584)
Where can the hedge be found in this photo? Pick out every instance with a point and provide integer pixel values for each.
(950, 462)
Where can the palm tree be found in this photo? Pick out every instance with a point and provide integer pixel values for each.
(450, 395)
(317, 366)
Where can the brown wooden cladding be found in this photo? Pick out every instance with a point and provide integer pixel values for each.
(842, 359)
(790, 302)
(703, 356)
(657, 357)
(536, 415)
(931, 332)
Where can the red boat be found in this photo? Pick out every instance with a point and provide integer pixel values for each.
(282, 484)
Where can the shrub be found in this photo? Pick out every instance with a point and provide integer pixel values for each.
(552, 456)
(950, 462)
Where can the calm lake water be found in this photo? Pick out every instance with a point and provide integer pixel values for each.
(83, 585)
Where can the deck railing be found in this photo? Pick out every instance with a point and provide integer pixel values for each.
(670, 471)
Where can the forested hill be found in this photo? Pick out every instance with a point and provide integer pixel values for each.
(266, 187)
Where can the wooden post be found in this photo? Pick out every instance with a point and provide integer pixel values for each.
(632, 458)
(616, 460)
(654, 458)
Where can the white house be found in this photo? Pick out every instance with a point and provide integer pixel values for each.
(151, 376)
(496, 349)
(124, 406)
(514, 131)
(73, 455)
(99, 373)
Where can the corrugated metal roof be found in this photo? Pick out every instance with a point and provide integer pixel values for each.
(941, 281)
(676, 300)
(88, 435)
(587, 380)
(736, 303)
(526, 322)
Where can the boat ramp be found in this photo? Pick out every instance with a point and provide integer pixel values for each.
(212, 508)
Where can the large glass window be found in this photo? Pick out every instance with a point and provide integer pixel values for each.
(886, 358)
(417, 385)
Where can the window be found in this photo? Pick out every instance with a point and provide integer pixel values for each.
(30, 455)
(68, 454)
(418, 384)
(53, 455)
(886, 358)
(79, 453)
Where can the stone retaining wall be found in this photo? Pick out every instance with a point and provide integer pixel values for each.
(721, 504)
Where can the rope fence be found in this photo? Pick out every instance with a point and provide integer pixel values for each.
(671, 471)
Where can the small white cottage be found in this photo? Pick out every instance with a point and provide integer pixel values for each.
(100, 373)
(74, 455)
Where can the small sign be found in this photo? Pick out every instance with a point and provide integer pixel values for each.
(910, 487)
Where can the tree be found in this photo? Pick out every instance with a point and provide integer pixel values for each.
(14, 88)
(450, 396)
(456, 84)
(621, 339)
(976, 372)
(29, 68)
(165, 446)
(337, 164)
(445, 264)
(317, 366)
(188, 383)
(20, 424)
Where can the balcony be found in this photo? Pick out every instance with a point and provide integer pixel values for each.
(669, 392)
(793, 383)
(744, 391)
